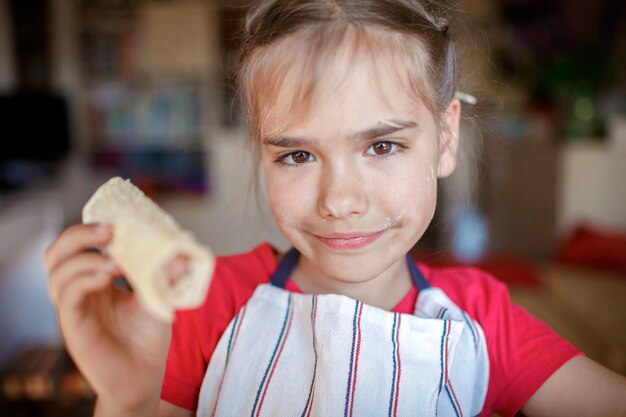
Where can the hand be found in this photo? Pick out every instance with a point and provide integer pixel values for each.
(116, 344)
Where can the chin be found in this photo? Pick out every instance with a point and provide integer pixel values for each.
(351, 274)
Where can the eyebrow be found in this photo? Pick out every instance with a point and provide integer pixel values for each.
(381, 129)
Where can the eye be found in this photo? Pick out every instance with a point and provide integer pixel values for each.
(382, 148)
(297, 158)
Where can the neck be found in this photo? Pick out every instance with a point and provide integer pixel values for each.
(384, 290)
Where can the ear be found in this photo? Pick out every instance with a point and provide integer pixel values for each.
(449, 140)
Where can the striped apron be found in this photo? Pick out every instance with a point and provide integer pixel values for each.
(288, 354)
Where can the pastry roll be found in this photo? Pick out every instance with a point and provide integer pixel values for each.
(167, 268)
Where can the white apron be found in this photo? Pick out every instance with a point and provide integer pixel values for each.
(288, 354)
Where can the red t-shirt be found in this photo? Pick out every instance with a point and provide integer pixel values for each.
(523, 352)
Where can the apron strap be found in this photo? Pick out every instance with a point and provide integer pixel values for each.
(418, 279)
(289, 261)
(286, 265)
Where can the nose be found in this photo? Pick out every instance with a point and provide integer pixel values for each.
(342, 192)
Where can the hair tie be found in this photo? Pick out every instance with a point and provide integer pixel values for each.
(441, 23)
(254, 18)
(465, 98)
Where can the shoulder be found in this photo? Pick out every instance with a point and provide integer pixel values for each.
(196, 332)
(247, 269)
(232, 284)
(472, 289)
(523, 352)
(237, 276)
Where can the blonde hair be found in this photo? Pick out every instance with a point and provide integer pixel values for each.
(301, 38)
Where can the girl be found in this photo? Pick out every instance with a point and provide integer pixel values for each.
(353, 115)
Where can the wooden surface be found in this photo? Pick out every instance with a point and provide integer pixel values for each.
(586, 306)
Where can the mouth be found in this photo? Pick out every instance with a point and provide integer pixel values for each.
(347, 241)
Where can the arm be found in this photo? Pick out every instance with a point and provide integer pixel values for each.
(169, 410)
(581, 387)
(164, 408)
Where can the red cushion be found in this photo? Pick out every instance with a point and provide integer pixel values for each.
(591, 247)
(508, 269)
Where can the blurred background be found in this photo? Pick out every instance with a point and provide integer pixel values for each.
(144, 89)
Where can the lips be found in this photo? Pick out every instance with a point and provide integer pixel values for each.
(347, 241)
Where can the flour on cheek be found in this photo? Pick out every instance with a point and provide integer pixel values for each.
(419, 204)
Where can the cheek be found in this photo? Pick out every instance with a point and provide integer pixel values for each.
(278, 199)
(412, 197)
(282, 208)
(287, 199)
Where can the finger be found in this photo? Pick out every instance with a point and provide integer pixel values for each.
(84, 264)
(75, 239)
(81, 287)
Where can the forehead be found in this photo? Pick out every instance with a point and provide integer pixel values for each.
(315, 78)
(352, 95)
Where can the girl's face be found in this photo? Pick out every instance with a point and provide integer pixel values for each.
(353, 184)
